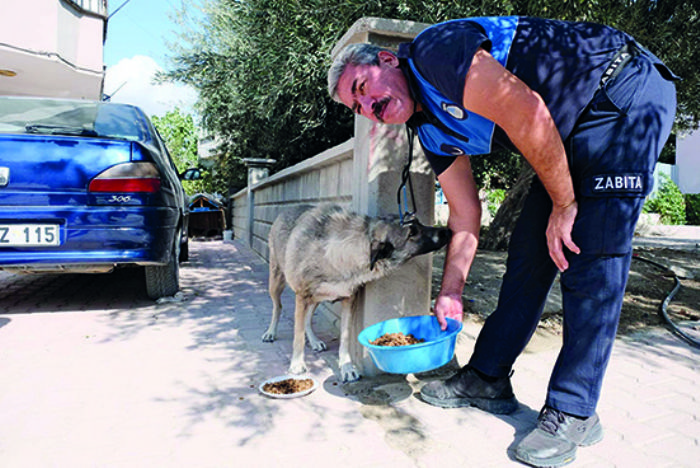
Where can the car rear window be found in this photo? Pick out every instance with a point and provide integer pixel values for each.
(67, 117)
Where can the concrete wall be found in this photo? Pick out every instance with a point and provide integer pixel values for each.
(239, 215)
(325, 178)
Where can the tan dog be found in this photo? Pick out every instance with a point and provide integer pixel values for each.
(326, 253)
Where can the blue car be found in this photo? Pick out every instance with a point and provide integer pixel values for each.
(88, 187)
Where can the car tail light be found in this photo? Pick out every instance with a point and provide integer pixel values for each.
(129, 177)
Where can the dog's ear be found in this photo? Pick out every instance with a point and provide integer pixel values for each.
(378, 251)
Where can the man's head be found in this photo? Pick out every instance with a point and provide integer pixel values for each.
(368, 80)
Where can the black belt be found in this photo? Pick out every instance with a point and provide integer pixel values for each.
(618, 62)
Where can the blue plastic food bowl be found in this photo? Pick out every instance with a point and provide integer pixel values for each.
(438, 349)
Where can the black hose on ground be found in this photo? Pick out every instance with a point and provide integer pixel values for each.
(664, 305)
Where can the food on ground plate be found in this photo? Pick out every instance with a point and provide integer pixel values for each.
(397, 339)
(288, 386)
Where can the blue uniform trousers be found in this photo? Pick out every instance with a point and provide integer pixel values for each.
(612, 153)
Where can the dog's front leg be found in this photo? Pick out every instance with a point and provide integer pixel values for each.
(302, 307)
(348, 372)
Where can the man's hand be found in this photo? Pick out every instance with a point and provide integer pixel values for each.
(448, 305)
(561, 223)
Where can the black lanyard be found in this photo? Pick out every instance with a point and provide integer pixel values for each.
(405, 215)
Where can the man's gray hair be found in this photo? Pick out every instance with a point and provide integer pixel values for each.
(353, 54)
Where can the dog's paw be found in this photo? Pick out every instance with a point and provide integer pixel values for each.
(268, 337)
(348, 373)
(317, 345)
(297, 368)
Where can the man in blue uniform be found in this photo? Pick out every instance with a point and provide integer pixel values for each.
(590, 110)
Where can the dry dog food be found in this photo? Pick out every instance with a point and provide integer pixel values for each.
(397, 339)
(288, 386)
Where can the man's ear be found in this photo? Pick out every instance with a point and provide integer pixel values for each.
(378, 251)
(388, 58)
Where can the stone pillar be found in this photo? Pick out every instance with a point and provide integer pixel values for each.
(258, 169)
(380, 152)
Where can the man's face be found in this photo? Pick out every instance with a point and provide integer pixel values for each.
(378, 92)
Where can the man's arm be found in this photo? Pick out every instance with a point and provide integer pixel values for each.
(496, 94)
(458, 185)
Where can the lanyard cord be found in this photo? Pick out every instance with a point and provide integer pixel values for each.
(405, 215)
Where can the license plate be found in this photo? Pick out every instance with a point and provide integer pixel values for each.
(20, 235)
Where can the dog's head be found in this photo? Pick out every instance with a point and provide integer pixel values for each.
(392, 243)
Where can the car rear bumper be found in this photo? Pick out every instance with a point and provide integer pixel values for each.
(93, 236)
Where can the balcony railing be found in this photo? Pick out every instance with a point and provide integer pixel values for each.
(95, 7)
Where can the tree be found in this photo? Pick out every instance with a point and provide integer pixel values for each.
(180, 137)
(178, 132)
(260, 65)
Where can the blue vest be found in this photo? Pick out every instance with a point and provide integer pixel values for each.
(452, 130)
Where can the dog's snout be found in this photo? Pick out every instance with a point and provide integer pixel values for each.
(433, 239)
(443, 236)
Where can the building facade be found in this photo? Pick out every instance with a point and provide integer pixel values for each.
(686, 172)
(52, 48)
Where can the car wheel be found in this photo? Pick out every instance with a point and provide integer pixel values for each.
(162, 281)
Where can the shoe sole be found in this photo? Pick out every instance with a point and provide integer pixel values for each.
(550, 463)
(490, 405)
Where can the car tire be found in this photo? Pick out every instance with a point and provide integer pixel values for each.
(163, 281)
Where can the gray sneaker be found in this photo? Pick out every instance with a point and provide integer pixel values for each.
(554, 441)
(467, 388)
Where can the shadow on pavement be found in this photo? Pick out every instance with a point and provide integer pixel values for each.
(66, 292)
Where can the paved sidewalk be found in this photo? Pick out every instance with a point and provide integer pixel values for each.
(685, 238)
(175, 385)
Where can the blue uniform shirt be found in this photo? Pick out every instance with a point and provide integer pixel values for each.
(562, 61)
